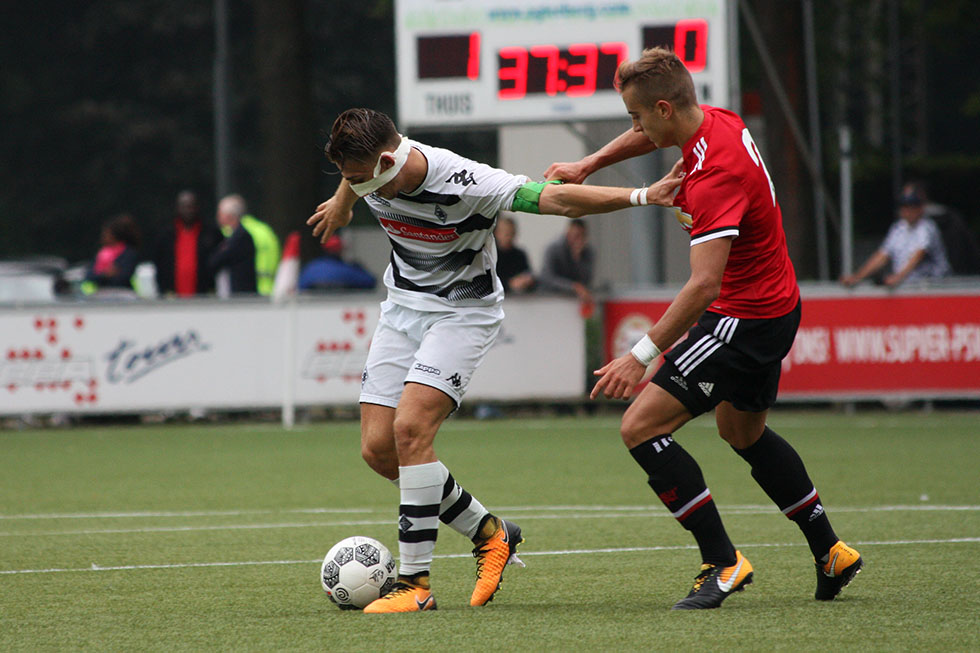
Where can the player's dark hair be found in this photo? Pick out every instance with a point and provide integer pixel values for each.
(358, 135)
(659, 75)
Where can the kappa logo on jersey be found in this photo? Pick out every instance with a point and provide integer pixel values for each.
(441, 214)
(395, 228)
(463, 178)
(706, 388)
(455, 380)
(679, 380)
(380, 200)
(700, 150)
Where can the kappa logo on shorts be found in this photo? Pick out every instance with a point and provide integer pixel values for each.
(364, 377)
(428, 369)
(455, 380)
(679, 380)
(706, 388)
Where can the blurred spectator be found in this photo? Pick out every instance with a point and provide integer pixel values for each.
(267, 252)
(182, 248)
(233, 261)
(568, 264)
(913, 246)
(117, 258)
(960, 242)
(513, 267)
(331, 272)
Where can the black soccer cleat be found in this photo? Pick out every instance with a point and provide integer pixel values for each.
(715, 584)
(843, 564)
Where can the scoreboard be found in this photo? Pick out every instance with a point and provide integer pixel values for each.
(494, 62)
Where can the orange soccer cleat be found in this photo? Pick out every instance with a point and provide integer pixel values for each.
(492, 555)
(403, 597)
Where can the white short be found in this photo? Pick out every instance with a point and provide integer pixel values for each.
(439, 349)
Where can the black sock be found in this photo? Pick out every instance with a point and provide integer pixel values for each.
(780, 472)
(676, 478)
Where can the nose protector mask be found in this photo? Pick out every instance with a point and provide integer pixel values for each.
(381, 178)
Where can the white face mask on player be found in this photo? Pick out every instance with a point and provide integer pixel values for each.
(400, 156)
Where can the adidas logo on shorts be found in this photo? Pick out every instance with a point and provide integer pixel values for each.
(706, 388)
(679, 380)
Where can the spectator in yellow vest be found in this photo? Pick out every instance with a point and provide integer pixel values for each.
(267, 251)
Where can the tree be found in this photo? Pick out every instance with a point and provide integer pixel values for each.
(289, 157)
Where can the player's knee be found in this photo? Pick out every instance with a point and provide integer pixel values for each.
(381, 459)
(739, 438)
(727, 436)
(411, 435)
(635, 431)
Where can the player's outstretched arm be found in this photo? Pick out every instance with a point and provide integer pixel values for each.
(625, 146)
(576, 200)
(333, 214)
(618, 377)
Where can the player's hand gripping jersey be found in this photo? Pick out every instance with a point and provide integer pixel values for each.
(727, 192)
(443, 253)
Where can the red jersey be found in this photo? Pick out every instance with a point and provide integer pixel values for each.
(727, 193)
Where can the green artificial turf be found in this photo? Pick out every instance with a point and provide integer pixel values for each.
(208, 538)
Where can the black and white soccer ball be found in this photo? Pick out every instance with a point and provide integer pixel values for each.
(356, 571)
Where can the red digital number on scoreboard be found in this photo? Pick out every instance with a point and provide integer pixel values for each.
(579, 70)
(448, 57)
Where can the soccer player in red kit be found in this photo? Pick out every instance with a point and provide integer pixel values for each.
(740, 309)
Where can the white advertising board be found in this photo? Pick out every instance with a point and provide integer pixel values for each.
(141, 357)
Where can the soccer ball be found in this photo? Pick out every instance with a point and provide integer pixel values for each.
(356, 571)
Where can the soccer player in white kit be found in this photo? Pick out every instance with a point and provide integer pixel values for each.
(441, 316)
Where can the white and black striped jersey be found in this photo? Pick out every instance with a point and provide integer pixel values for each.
(442, 250)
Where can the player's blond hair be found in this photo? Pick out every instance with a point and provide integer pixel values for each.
(658, 74)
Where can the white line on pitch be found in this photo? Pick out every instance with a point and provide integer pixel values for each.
(631, 549)
(611, 513)
(505, 509)
(185, 513)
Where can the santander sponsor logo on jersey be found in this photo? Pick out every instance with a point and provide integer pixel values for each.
(427, 234)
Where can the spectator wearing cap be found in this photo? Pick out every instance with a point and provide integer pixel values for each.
(959, 240)
(913, 246)
(331, 272)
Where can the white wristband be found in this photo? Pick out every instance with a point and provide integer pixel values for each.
(645, 352)
(638, 197)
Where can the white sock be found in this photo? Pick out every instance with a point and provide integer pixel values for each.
(460, 510)
(418, 521)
